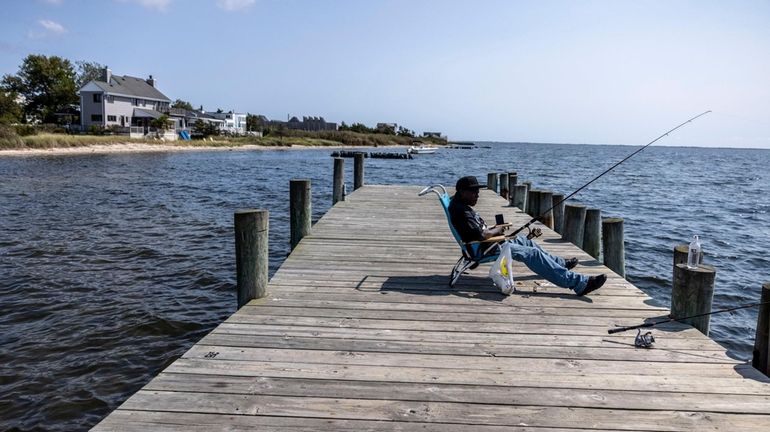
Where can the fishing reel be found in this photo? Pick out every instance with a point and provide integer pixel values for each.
(643, 340)
(534, 233)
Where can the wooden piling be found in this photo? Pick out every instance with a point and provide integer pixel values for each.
(761, 357)
(613, 245)
(520, 197)
(533, 202)
(338, 192)
(692, 294)
(358, 170)
(299, 209)
(592, 234)
(504, 185)
(512, 178)
(251, 253)
(558, 212)
(546, 214)
(574, 224)
(492, 181)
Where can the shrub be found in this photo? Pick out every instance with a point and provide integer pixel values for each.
(96, 130)
(25, 130)
(9, 138)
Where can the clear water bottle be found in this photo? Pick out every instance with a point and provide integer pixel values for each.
(693, 253)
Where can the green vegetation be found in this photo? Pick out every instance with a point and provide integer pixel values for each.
(47, 85)
(179, 103)
(29, 137)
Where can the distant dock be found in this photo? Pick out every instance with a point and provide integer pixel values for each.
(360, 332)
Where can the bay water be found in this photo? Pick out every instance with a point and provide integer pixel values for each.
(112, 266)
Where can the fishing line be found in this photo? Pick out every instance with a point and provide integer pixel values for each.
(619, 329)
(536, 218)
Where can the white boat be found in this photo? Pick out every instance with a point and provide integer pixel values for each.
(422, 149)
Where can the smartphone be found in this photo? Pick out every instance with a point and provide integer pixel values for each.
(499, 220)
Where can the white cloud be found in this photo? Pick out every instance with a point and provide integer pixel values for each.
(234, 5)
(159, 5)
(50, 28)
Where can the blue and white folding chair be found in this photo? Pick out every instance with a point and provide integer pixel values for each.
(473, 253)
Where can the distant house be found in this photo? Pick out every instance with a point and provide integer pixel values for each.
(121, 101)
(387, 127)
(431, 135)
(233, 123)
(310, 124)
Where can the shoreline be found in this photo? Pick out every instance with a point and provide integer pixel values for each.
(128, 147)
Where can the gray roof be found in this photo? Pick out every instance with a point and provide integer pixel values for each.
(144, 112)
(131, 86)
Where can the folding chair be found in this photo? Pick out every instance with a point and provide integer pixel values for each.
(473, 253)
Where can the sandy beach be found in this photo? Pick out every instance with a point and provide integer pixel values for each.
(153, 148)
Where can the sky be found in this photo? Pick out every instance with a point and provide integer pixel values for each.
(597, 72)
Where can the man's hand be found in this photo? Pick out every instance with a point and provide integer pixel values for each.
(495, 231)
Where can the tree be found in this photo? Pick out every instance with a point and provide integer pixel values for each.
(205, 129)
(88, 71)
(46, 84)
(402, 131)
(179, 103)
(161, 122)
(10, 111)
(360, 128)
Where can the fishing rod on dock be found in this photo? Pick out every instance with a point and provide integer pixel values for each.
(619, 329)
(646, 340)
(537, 218)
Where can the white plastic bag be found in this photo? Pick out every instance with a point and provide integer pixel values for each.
(502, 270)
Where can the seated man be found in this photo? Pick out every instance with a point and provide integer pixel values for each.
(471, 227)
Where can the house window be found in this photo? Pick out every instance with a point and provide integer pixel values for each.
(112, 118)
(110, 98)
(97, 98)
(96, 117)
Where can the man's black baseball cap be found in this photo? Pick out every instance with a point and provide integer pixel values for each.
(468, 183)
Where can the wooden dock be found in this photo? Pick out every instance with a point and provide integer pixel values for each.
(360, 332)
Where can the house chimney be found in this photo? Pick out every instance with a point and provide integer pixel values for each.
(106, 74)
(151, 81)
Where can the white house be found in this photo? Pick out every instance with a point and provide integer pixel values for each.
(234, 123)
(122, 101)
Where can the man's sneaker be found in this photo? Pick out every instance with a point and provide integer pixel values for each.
(571, 263)
(594, 283)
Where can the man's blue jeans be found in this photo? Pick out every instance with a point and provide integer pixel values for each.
(549, 266)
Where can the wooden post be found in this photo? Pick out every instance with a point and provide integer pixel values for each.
(504, 185)
(251, 234)
(558, 213)
(512, 177)
(520, 197)
(358, 170)
(299, 209)
(592, 237)
(492, 181)
(680, 254)
(574, 224)
(546, 201)
(692, 294)
(761, 358)
(338, 193)
(533, 202)
(613, 245)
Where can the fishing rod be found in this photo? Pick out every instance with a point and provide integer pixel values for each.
(619, 329)
(537, 218)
